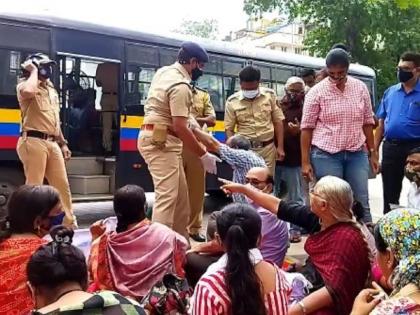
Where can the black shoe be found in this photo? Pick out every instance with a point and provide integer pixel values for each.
(198, 237)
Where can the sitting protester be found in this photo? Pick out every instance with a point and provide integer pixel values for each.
(412, 172)
(241, 282)
(274, 235)
(31, 212)
(397, 238)
(158, 250)
(336, 247)
(57, 275)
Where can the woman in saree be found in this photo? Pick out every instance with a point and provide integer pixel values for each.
(31, 212)
(336, 246)
(132, 259)
(397, 239)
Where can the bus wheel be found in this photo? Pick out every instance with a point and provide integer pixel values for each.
(10, 179)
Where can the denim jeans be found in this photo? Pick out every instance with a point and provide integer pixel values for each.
(292, 178)
(353, 167)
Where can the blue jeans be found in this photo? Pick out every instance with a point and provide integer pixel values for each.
(353, 167)
(292, 177)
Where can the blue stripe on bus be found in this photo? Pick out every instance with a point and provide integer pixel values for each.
(9, 129)
(129, 133)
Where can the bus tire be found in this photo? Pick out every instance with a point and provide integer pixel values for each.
(10, 180)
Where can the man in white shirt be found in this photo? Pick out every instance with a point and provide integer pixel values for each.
(412, 172)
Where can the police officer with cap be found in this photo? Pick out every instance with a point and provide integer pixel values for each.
(165, 131)
(42, 148)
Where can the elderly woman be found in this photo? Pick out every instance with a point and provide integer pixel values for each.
(32, 210)
(336, 247)
(397, 238)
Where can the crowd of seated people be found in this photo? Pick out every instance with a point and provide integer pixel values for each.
(242, 277)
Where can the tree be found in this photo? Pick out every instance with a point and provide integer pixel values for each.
(376, 32)
(208, 28)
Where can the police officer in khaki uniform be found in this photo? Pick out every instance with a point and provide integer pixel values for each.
(203, 112)
(42, 148)
(255, 115)
(164, 132)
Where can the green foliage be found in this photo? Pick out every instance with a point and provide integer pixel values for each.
(376, 32)
(207, 28)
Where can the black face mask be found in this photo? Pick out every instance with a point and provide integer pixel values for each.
(196, 73)
(404, 76)
(45, 72)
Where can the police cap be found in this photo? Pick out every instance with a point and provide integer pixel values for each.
(194, 50)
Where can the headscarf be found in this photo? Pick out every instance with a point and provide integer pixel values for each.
(400, 229)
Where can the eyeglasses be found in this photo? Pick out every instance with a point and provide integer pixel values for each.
(254, 182)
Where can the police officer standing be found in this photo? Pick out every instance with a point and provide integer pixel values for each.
(42, 148)
(164, 132)
(203, 112)
(255, 114)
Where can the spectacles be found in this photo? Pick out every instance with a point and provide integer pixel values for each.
(254, 182)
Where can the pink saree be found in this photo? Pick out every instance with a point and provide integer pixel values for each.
(133, 261)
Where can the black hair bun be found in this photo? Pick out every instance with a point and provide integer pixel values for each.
(62, 235)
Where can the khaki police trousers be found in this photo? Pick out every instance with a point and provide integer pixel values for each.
(269, 154)
(196, 181)
(43, 158)
(109, 105)
(171, 206)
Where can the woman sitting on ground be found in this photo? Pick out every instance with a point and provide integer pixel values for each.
(397, 238)
(31, 212)
(336, 247)
(241, 282)
(57, 275)
(158, 249)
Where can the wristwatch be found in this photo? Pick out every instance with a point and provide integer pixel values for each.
(62, 143)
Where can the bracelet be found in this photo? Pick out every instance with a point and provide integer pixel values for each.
(302, 307)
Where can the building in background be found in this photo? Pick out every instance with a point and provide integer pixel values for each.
(277, 33)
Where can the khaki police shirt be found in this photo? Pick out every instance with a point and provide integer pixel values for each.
(107, 74)
(254, 119)
(41, 112)
(169, 95)
(201, 105)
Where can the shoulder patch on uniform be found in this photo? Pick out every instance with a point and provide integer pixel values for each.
(179, 83)
(267, 90)
(233, 96)
(200, 89)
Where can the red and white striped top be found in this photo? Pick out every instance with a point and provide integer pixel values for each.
(211, 297)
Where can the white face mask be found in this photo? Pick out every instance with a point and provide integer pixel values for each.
(250, 94)
(250, 201)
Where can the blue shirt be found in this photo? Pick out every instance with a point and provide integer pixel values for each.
(241, 162)
(401, 113)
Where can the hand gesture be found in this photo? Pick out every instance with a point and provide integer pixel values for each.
(365, 302)
(209, 163)
(294, 128)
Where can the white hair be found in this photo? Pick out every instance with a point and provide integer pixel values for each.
(293, 80)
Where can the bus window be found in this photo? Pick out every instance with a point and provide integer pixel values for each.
(10, 61)
(213, 84)
(279, 89)
(265, 73)
(281, 74)
(167, 56)
(138, 83)
(142, 54)
(230, 85)
(214, 65)
(232, 68)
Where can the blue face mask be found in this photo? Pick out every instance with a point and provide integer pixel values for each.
(58, 219)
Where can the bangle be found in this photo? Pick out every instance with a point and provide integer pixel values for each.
(302, 307)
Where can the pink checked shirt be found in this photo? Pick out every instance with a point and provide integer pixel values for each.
(337, 118)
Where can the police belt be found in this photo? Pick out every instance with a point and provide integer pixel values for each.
(150, 127)
(255, 144)
(38, 134)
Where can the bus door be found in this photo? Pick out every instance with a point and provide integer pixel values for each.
(89, 96)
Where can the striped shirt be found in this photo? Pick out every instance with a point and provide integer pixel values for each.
(337, 117)
(241, 162)
(212, 298)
